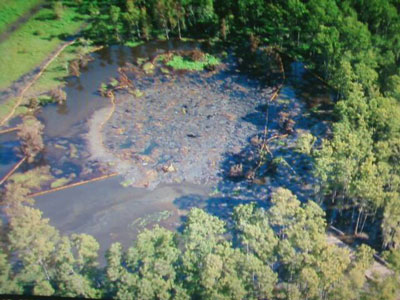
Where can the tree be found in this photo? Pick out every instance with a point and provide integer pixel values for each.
(296, 11)
(214, 269)
(148, 271)
(255, 233)
(383, 289)
(201, 14)
(74, 264)
(30, 132)
(393, 89)
(391, 223)
(132, 17)
(34, 240)
(163, 15)
(115, 14)
(7, 283)
(201, 235)
(308, 267)
(145, 23)
(305, 143)
(120, 282)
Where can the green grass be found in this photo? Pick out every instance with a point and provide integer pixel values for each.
(33, 178)
(151, 218)
(6, 108)
(59, 182)
(133, 44)
(34, 41)
(11, 10)
(127, 182)
(56, 72)
(181, 63)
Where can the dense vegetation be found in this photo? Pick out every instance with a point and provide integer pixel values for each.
(11, 10)
(278, 253)
(354, 45)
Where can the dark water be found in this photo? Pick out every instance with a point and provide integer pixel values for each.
(111, 212)
(307, 86)
(66, 124)
(186, 120)
(82, 93)
(8, 152)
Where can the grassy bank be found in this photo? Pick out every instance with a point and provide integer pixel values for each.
(34, 41)
(6, 108)
(11, 10)
(58, 69)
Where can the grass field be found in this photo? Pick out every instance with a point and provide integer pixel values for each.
(181, 63)
(34, 41)
(11, 10)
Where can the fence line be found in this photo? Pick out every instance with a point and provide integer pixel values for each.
(37, 76)
(72, 185)
(13, 170)
(9, 130)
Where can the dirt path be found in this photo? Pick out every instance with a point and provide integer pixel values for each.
(27, 81)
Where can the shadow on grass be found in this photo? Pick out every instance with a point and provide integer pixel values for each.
(47, 17)
(78, 19)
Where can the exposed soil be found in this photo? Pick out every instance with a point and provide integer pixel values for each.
(190, 127)
(182, 126)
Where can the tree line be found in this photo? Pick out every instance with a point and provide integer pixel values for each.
(354, 45)
(279, 253)
(276, 253)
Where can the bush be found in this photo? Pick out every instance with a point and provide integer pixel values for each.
(74, 68)
(305, 143)
(58, 95)
(30, 132)
(184, 63)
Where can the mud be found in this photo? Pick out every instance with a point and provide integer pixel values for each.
(182, 126)
(112, 213)
(180, 138)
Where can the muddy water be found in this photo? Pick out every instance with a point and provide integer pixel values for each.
(184, 122)
(66, 125)
(111, 212)
(8, 153)
(105, 209)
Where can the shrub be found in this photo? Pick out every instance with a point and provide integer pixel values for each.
(30, 132)
(74, 68)
(58, 95)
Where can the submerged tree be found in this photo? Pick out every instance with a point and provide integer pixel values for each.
(30, 132)
(282, 254)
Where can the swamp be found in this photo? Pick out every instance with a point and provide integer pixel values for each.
(186, 150)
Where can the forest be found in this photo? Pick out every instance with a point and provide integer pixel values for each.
(274, 252)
